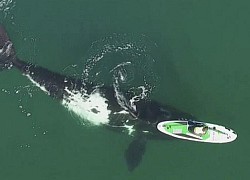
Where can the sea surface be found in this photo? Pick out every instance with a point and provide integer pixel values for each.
(195, 55)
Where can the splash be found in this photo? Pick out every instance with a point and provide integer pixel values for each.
(124, 62)
(91, 107)
(5, 8)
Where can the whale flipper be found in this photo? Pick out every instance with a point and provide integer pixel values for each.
(135, 152)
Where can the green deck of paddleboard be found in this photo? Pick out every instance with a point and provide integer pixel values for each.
(170, 127)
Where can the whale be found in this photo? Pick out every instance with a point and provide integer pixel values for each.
(97, 104)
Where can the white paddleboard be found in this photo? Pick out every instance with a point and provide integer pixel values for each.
(197, 131)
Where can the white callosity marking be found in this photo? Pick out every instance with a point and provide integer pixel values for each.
(139, 97)
(122, 112)
(91, 107)
(37, 84)
(122, 101)
(8, 48)
(130, 129)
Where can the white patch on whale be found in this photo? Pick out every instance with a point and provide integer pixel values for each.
(37, 84)
(122, 112)
(91, 107)
(130, 129)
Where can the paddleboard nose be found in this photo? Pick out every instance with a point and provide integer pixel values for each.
(232, 136)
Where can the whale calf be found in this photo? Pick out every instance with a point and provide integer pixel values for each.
(98, 105)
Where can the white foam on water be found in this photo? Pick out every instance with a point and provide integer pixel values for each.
(139, 97)
(6, 6)
(93, 107)
(6, 91)
(105, 49)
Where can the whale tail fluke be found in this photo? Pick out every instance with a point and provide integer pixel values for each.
(7, 52)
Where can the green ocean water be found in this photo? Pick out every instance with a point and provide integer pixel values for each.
(201, 49)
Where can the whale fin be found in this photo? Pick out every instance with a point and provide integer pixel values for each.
(135, 152)
(7, 52)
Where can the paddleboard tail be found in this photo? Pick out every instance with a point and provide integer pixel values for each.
(7, 52)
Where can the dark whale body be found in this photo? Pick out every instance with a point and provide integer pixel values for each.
(143, 119)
